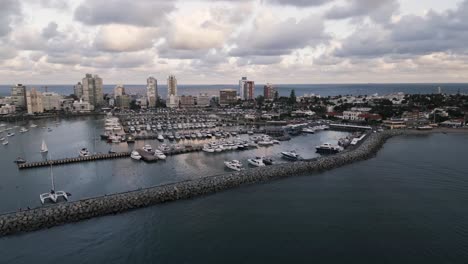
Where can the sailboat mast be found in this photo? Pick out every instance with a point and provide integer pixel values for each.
(52, 174)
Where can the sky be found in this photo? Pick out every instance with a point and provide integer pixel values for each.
(218, 42)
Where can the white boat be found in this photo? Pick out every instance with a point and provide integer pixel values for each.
(233, 165)
(53, 195)
(328, 148)
(84, 152)
(257, 162)
(10, 134)
(135, 155)
(23, 130)
(208, 149)
(159, 154)
(33, 125)
(148, 148)
(265, 143)
(160, 137)
(292, 155)
(308, 130)
(4, 143)
(44, 148)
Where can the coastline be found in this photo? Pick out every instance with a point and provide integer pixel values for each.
(58, 214)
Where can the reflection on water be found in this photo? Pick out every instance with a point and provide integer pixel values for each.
(21, 189)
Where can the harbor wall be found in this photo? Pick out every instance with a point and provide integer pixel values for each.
(62, 213)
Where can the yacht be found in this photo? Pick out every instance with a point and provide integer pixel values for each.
(160, 137)
(257, 162)
(208, 149)
(308, 130)
(135, 155)
(328, 148)
(4, 143)
(159, 154)
(33, 125)
(19, 160)
(291, 155)
(84, 152)
(148, 148)
(10, 134)
(267, 161)
(23, 130)
(44, 148)
(233, 165)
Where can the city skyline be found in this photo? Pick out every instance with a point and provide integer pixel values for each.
(209, 42)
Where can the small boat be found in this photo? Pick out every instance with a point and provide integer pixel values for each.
(257, 162)
(308, 130)
(84, 152)
(291, 155)
(4, 143)
(19, 160)
(159, 154)
(44, 148)
(135, 155)
(267, 161)
(111, 151)
(33, 125)
(328, 148)
(160, 137)
(425, 128)
(208, 149)
(23, 130)
(10, 134)
(233, 165)
(148, 148)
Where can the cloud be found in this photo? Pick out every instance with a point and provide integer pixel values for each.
(123, 38)
(300, 3)
(379, 10)
(50, 31)
(9, 11)
(128, 12)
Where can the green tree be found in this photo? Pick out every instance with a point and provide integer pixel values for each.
(292, 97)
(260, 100)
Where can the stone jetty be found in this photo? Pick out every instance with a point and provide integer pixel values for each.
(64, 161)
(58, 214)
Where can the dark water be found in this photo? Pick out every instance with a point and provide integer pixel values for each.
(407, 205)
(21, 189)
(283, 89)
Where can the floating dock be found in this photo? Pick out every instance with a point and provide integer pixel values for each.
(73, 160)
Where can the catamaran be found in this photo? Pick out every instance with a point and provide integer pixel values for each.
(53, 195)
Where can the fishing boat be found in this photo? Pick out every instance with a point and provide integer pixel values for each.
(44, 148)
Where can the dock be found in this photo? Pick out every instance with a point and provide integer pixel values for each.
(149, 156)
(95, 157)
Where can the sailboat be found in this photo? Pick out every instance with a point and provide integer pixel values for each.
(44, 148)
(53, 195)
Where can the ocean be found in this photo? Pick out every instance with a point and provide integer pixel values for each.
(283, 89)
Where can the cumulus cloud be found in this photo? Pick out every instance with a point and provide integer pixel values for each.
(9, 10)
(378, 10)
(137, 13)
(123, 38)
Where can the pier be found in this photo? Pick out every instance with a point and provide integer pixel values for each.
(64, 161)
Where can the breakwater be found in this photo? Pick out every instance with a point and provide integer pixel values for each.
(48, 216)
(64, 161)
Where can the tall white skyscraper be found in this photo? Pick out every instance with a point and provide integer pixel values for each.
(152, 91)
(242, 82)
(92, 90)
(172, 99)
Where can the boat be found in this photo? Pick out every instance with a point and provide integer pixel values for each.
(33, 125)
(4, 143)
(53, 195)
(148, 148)
(111, 151)
(425, 128)
(208, 149)
(23, 130)
(130, 139)
(291, 155)
(10, 134)
(257, 162)
(160, 137)
(44, 148)
(267, 161)
(135, 155)
(2, 138)
(84, 152)
(308, 130)
(233, 165)
(328, 148)
(159, 154)
(19, 160)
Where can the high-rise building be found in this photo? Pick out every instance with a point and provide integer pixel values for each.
(269, 91)
(51, 101)
(78, 90)
(152, 91)
(119, 90)
(34, 101)
(92, 90)
(227, 96)
(249, 90)
(172, 99)
(18, 96)
(123, 101)
(241, 87)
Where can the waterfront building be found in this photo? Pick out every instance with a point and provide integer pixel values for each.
(203, 100)
(249, 90)
(227, 96)
(78, 90)
(82, 106)
(18, 96)
(142, 102)
(123, 101)
(119, 90)
(34, 101)
(269, 91)
(7, 109)
(66, 105)
(187, 101)
(92, 90)
(242, 82)
(152, 91)
(172, 100)
(51, 101)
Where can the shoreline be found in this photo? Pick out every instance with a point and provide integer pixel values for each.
(62, 213)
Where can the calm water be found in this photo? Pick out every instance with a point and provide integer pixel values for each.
(283, 89)
(21, 189)
(406, 205)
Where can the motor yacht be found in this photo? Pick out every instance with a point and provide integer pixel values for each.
(23, 130)
(84, 152)
(257, 162)
(291, 155)
(159, 154)
(327, 148)
(148, 148)
(135, 155)
(19, 160)
(160, 137)
(233, 165)
(308, 130)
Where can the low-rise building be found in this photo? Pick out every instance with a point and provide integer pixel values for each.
(187, 101)
(51, 101)
(7, 109)
(203, 100)
(123, 101)
(82, 106)
(227, 97)
(394, 124)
